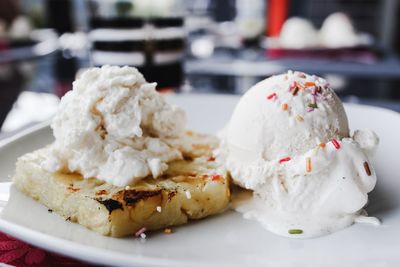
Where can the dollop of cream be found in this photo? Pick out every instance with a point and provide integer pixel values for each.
(114, 126)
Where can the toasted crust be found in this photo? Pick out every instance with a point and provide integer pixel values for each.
(192, 188)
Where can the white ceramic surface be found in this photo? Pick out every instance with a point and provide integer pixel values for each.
(226, 239)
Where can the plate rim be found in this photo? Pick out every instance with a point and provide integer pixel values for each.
(22, 133)
(79, 251)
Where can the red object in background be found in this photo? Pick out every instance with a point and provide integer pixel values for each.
(62, 88)
(4, 45)
(17, 253)
(277, 11)
(360, 54)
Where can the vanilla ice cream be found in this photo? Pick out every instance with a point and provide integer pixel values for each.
(298, 33)
(338, 31)
(288, 140)
(115, 127)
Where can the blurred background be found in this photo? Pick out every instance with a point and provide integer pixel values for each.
(195, 46)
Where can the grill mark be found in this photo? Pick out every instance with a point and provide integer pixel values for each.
(171, 195)
(111, 204)
(131, 197)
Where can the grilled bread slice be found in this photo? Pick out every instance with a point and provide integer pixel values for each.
(193, 188)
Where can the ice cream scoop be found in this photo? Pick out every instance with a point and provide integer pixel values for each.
(298, 33)
(288, 141)
(338, 31)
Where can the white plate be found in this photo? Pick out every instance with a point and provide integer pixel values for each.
(221, 240)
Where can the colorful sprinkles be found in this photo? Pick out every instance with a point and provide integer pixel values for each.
(367, 169)
(311, 88)
(271, 96)
(295, 231)
(296, 90)
(141, 233)
(306, 84)
(313, 105)
(308, 165)
(215, 177)
(309, 84)
(292, 86)
(336, 144)
(284, 160)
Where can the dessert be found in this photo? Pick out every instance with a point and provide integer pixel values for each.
(338, 31)
(122, 160)
(288, 141)
(298, 33)
(114, 126)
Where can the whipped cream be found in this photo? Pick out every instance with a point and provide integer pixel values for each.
(288, 141)
(115, 127)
